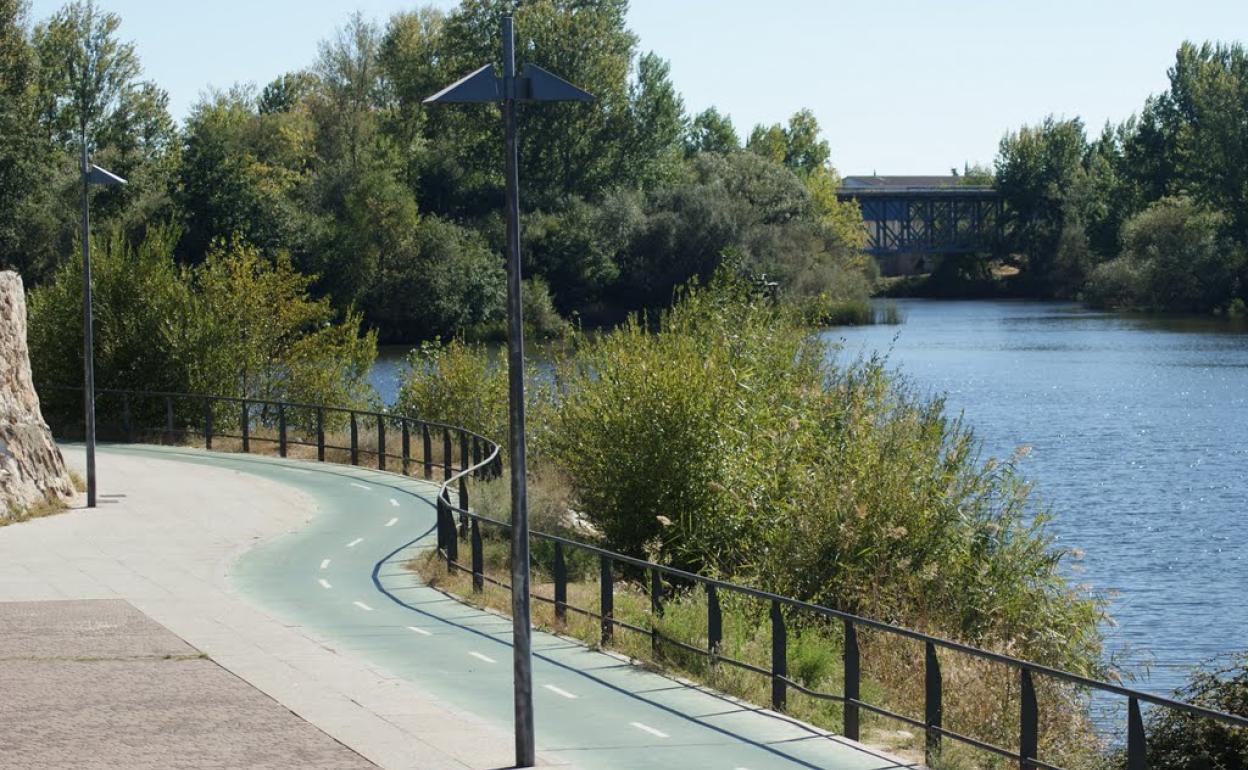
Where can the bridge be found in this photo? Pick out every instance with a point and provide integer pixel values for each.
(910, 219)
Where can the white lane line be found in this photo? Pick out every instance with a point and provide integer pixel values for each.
(324, 563)
(298, 470)
(363, 606)
(355, 542)
(392, 522)
(394, 502)
(420, 631)
(558, 691)
(485, 658)
(365, 487)
(324, 583)
(649, 729)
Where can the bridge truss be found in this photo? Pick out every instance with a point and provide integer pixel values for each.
(957, 220)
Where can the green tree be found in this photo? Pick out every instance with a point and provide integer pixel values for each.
(85, 71)
(22, 153)
(711, 131)
(1175, 257)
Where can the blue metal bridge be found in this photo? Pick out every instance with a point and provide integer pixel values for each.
(925, 215)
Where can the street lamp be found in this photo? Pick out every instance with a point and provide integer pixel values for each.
(91, 174)
(534, 85)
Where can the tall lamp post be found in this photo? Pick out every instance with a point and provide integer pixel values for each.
(91, 174)
(533, 85)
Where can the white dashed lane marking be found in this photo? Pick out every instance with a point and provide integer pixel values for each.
(324, 583)
(649, 729)
(324, 563)
(392, 522)
(394, 502)
(364, 487)
(355, 542)
(363, 606)
(420, 631)
(559, 691)
(481, 657)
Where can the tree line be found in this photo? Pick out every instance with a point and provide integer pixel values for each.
(393, 207)
(1152, 213)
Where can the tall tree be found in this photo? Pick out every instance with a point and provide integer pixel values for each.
(711, 131)
(86, 70)
(21, 150)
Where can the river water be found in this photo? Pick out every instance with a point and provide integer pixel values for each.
(1138, 431)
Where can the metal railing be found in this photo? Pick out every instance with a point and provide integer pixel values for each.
(289, 424)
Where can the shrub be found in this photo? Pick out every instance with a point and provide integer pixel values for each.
(237, 325)
(1179, 741)
(731, 442)
(456, 383)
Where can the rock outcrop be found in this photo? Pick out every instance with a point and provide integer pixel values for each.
(31, 467)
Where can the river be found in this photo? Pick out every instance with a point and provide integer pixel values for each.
(1138, 431)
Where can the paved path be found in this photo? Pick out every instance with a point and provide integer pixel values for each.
(96, 684)
(335, 583)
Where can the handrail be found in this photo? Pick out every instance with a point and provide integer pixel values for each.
(486, 462)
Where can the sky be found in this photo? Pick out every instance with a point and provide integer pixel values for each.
(899, 87)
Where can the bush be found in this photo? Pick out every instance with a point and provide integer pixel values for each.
(1178, 741)
(730, 442)
(456, 383)
(1174, 258)
(237, 325)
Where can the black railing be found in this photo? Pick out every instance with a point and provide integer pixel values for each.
(187, 417)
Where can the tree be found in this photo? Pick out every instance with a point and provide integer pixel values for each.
(1209, 94)
(85, 71)
(22, 153)
(1036, 168)
(1174, 257)
(711, 131)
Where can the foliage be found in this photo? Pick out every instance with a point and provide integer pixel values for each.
(1174, 258)
(342, 166)
(456, 383)
(730, 442)
(1073, 204)
(1179, 741)
(237, 325)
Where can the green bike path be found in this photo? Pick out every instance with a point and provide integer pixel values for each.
(341, 576)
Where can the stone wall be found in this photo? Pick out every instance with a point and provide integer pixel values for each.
(31, 467)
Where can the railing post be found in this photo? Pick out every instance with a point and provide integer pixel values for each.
(463, 467)
(446, 454)
(441, 528)
(407, 447)
(476, 452)
(320, 434)
(452, 538)
(779, 657)
(606, 597)
(381, 442)
(245, 425)
(932, 708)
(207, 423)
(561, 583)
(281, 429)
(126, 423)
(478, 559)
(428, 449)
(169, 419)
(714, 622)
(853, 680)
(656, 609)
(1137, 743)
(1028, 722)
(355, 440)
